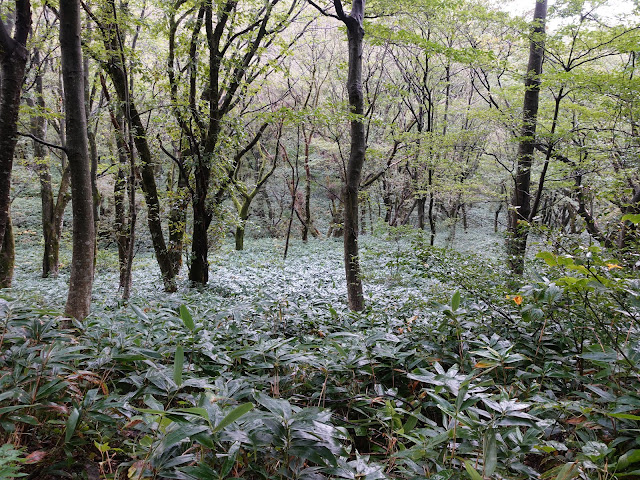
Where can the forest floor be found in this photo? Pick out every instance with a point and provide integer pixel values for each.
(454, 370)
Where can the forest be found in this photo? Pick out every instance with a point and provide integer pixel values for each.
(319, 239)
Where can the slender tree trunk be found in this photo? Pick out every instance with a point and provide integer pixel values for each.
(93, 147)
(386, 200)
(520, 209)
(54, 226)
(432, 215)
(336, 229)
(119, 195)
(244, 215)
(7, 256)
(13, 59)
(421, 204)
(307, 189)
(199, 271)
(41, 166)
(116, 69)
(465, 220)
(127, 280)
(178, 222)
(82, 267)
(355, 35)
(496, 216)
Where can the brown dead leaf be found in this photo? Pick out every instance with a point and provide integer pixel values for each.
(35, 457)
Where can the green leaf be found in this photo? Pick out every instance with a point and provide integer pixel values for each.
(232, 416)
(625, 416)
(410, 424)
(138, 311)
(632, 456)
(455, 301)
(567, 472)
(197, 411)
(472, 472)
(13, 408)
(230, 460)
(202, 472)
(71, 423)
(443, 475)
(178, 364)
(151, 411)
(490, 453)
(548, 257)
(29, 419)
(631, 217)
(186, 317)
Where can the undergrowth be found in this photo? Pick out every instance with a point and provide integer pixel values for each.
(453, 371)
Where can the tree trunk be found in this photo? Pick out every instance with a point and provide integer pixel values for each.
(520, 208)
(93, 148)
(119, 195)
(7, 256)
(465, 220)
(496, 216)
(41, 166)
(117, 72)
(307, 190)
(199, 272)
(432, 215)
(13, 59)
(355, 35)
(178, 222)
(421, 204)
(81, 278)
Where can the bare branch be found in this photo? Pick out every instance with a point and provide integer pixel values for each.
(43, 142)
(322, 11)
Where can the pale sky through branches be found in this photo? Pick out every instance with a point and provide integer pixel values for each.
(614, 11)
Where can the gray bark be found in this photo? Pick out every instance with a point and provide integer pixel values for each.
(81, 279)
(355, 35)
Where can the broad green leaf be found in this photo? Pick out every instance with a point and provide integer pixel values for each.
(628, 458)
(472, 472)
(548, 257)
(13, 408)
(455, 301)
(631, 217)
(567, 472)
(71, 423)
(203, 472)
(197, 411)
(234, 415)
(186, 317)
(625, 416)
(178, 364)
(138, 311)
(230, 461)
(29, 419)
(490, 453)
